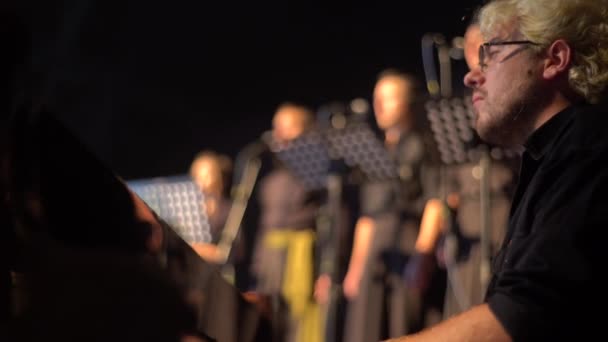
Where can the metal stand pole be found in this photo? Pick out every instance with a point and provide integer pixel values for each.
(237, 210)
(484, 266)
(329, 231)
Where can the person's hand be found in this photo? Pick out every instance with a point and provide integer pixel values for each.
(260, 301)
(419, 270)
(207, 251)
(351, 284)
(322, 288)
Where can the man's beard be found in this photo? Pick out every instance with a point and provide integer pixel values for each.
(504, 128)
(510, 122)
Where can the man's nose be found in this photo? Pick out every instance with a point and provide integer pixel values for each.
(474, 78)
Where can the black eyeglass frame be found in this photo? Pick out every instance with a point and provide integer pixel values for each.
(482, 49)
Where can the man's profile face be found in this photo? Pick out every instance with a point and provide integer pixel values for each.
(509, 92)
(391, 101)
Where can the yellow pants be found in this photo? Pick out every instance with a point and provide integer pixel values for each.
(297, 283)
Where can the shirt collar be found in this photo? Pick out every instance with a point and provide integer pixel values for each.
(542, 139)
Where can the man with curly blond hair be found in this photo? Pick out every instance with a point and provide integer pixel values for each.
(541, 83)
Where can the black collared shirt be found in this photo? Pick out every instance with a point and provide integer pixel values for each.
(546, 277)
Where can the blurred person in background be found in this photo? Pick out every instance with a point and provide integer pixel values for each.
(380, 304)
(283, 263)
(211, 172)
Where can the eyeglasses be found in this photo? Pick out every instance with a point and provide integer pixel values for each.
(483, 50)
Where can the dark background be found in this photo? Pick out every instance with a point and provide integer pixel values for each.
(147, 84)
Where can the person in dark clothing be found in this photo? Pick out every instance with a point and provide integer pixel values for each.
(541, 83)
(211, 171)
(380, 304)
(284, 201)
(283, 263)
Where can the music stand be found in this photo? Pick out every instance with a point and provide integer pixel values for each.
(362, 155)
(359, 147)
(306, 157)
(178, 201)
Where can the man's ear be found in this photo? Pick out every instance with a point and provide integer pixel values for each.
(557, 59)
